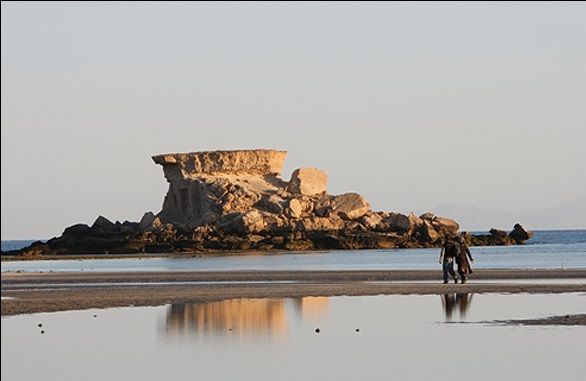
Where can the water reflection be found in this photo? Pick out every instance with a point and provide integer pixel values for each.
(457, 301)
(265, 316)
(243, 316)
(397, 332)
(312, 308)
(269, 317)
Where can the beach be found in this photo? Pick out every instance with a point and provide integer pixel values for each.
(25, 293)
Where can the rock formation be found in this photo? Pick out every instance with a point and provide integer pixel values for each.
(206, 186)
(497, 237)
(236, 200)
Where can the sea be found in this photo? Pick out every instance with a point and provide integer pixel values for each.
(548, 249)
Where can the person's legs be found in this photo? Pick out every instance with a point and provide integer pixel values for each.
(462, 274)
(445, 267)
(452, 272)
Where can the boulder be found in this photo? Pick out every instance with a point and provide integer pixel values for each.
(441, 224)
(245, 223)
(429, 232)
(446, 225)
(398, 222)
(146, 222)
(498, 234)
(76, 230)
(350, 206)
(322, 206)
(104, 224)
(519, 234)
(295, 208)
(308, 181)
(372, 220)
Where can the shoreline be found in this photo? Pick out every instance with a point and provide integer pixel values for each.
(194, 254)
(52, 292)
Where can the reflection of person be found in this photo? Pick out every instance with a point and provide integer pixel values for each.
(449, 302)
(447, 254)
(462, 259)
(463, 301)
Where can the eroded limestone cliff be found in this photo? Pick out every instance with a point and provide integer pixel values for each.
(206, 186)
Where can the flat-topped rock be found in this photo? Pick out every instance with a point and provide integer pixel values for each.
(236, 162)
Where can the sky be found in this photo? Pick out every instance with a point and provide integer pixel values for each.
(410, 105)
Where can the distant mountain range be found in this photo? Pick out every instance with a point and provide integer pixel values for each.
(570, 215)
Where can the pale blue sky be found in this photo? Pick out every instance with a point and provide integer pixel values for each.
(410, 105)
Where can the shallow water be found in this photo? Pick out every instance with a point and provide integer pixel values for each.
(400, 337)
(544, 256)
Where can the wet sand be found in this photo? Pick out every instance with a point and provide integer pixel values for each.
(48, 292)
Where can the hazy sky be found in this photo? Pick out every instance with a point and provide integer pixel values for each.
(410, 105)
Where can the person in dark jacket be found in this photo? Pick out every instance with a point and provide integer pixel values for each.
(448, 252)
(464, 258)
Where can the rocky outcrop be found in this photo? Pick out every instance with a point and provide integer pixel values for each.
(497, 237)
(236, 200)
(519, 234)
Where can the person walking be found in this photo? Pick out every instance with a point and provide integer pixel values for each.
(448, 252)
(464, 258)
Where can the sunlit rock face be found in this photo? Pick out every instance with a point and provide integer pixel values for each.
(258, 162)
(206, 186)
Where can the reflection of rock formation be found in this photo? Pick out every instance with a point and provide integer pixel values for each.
(311, 308)
(452, 301)
(241, 316)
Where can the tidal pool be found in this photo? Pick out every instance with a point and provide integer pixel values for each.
(367, 337)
